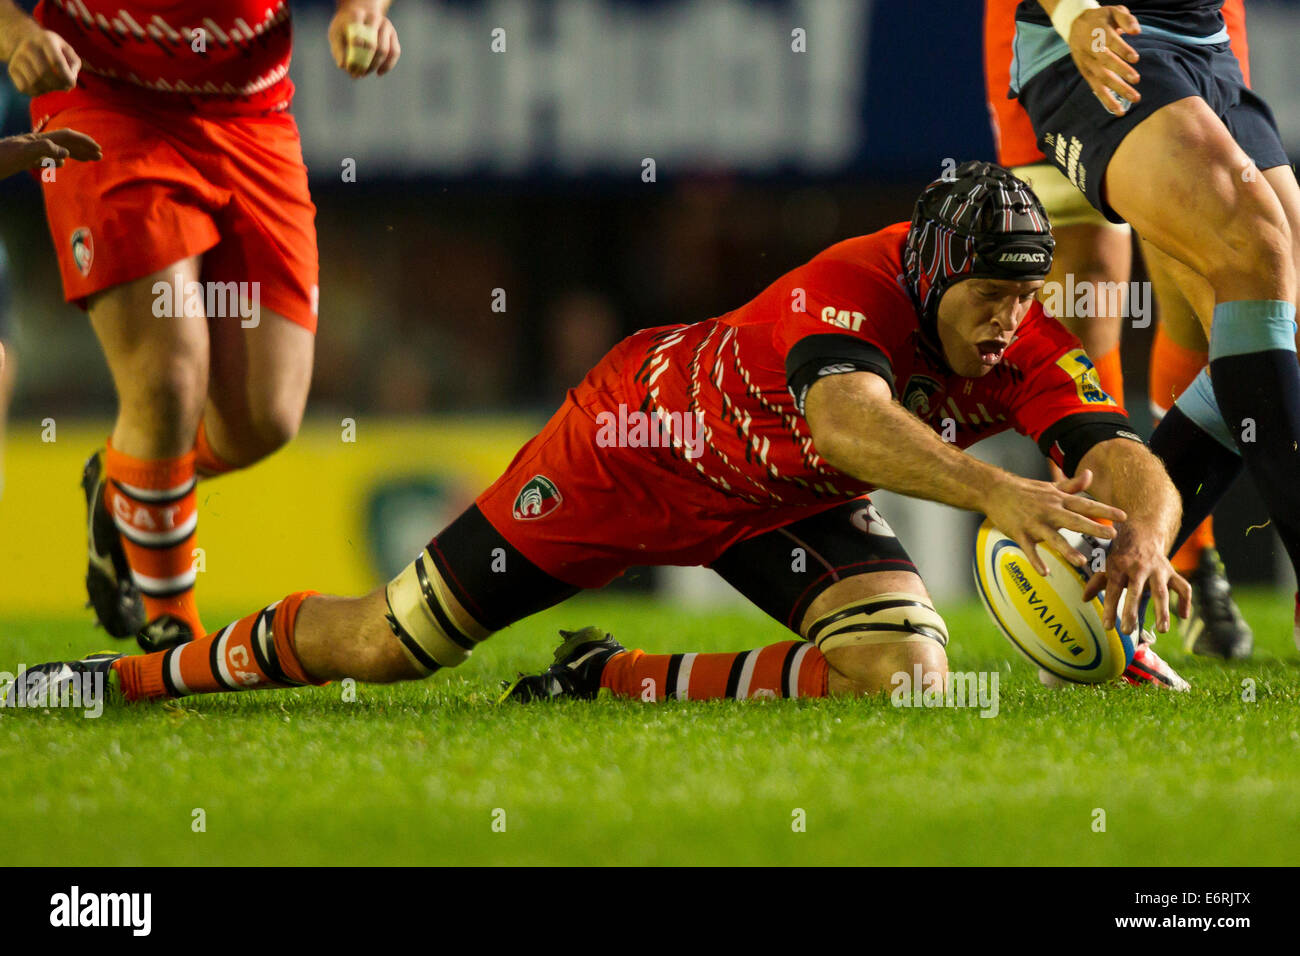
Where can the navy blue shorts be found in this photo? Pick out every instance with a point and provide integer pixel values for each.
(1078, 136)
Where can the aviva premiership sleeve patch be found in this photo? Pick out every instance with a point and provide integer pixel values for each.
(1076, 364)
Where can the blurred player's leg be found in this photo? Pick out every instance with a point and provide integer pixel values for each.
(261, 362)
(160, 371)
(257, 392)
(1186, 302)
(1091, 253)
(1101, 256)
(1231, 228)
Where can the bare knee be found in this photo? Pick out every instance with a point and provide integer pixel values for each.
(274, 425)
(872, 668)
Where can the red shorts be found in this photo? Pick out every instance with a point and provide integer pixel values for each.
(173, 184)
(584, 513)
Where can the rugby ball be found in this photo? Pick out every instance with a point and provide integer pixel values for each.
(1046, 618)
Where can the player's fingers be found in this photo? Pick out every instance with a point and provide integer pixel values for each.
(1028, 545)
(1183, 589)
(71, 63)
(1073, 522)
(388, 36)
(1132, 599)
(79, 145)
(1094, 586)
(1072, 486)
(1160, 600)
(41, 148)
(1103, 93)
(1092, 508)
(1120, 47)
(1116, 83)
(1125, 21)
(338, 46)
(55, 72)
(383, 45)
(1110, 607)
(1115, 61)
(1066, 550)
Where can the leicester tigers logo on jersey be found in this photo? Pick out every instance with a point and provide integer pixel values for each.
(536, 499)
(917, 394)
(83, 250)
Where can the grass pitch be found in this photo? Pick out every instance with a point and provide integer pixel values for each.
(420, 773)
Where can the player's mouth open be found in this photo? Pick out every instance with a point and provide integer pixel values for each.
(991, 351)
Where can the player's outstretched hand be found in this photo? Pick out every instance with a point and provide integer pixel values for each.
(42, 62)
(362, 39)
(31, 149)
(1137, 561)
(1031, 512)
(1103, 57)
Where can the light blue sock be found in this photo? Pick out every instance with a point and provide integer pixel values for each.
(1255, 325)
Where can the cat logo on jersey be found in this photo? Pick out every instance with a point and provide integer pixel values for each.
(1079, 367)
(536, 499)
(83, 250)
(917, 394)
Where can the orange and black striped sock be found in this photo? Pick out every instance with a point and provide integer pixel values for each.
(253, 653)
(155, 508)
(207, 463)
(788, 669)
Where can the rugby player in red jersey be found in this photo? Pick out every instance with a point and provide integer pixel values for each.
(198, 216)
(739, 443)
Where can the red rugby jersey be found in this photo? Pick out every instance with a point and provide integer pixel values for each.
(742, 376)
(145, 51)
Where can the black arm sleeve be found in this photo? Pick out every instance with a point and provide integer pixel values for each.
(817, 356)
(1068, 440)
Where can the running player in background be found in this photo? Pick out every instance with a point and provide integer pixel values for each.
(29, 151)
(1191, 157)
(749, 443)
(199, 214)
(1095, 253)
